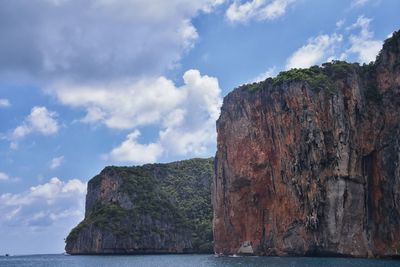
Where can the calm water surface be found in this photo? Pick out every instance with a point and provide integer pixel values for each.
(188, 260)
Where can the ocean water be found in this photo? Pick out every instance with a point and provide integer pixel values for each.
(188, 260)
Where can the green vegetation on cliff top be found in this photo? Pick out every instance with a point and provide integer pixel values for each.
(323, 78)
(317, 77)
(392, 44)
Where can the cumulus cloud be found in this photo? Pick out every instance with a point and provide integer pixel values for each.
(98, 39)
(132, 151)
(40, 120)
(257, 10)
(355, 40)
(189, 129)
(317, 50)
(4, 103)
(121, 105)
(363, 44)
(56, 162)
(185, 114)
(43, 204)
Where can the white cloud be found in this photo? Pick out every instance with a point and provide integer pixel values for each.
(257, 10)
(131, 151)
(56, 162)
(40, 120)
(356, 40)
(4, 103)
(122, 105)
(192, 129)
(317, 50)
(4, 176)
(363, 44)
(186, 116)
(43, 204)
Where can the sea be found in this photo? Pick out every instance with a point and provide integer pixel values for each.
(189, 260)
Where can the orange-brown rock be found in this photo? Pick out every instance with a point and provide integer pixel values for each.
(308, 163)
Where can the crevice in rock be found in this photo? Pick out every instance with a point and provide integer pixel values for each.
(368, 171)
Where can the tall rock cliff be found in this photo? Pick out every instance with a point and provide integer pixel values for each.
(308, 163)
(155, 208)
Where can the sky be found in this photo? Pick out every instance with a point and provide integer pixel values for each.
(86, 84)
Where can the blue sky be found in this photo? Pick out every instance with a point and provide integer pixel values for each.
(133, 82)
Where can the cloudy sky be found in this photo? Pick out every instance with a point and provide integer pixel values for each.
(85, 84)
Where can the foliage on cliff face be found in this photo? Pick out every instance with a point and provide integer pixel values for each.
(100, 217)
(177, 194)
(176, 190)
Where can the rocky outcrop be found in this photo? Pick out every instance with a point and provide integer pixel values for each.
(308, 163)
(155, 208)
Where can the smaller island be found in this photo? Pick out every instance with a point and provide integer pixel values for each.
(154, 208)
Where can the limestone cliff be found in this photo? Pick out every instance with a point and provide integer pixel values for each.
(308, 163)
(155, 208)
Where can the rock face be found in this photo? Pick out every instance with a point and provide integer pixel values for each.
(308, 163)
(155, 208)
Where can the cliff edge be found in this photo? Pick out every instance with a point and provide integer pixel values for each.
(308, 163)
(154, 208)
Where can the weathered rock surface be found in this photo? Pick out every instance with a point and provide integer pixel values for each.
(308, 163)
(154, 208)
